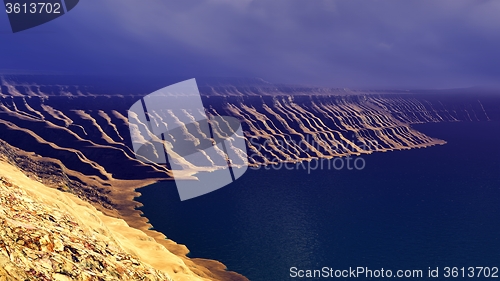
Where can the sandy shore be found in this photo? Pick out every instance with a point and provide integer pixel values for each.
(166, 256)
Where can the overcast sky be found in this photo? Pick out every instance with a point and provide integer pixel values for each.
(350, 43)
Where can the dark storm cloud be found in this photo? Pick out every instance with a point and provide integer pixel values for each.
(414, 44)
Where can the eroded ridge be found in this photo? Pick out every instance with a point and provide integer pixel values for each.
(412, 110)
(301, 128)
(91, 137)
(294, 129)
(85, 138)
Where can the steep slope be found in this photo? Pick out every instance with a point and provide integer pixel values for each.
(47, 234)
(42, 225)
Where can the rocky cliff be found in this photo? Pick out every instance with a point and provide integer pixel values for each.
(47, 234)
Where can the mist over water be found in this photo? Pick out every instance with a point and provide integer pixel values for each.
(411, 209)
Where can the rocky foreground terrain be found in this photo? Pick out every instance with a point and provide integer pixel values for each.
(47, 234)
(42, 242)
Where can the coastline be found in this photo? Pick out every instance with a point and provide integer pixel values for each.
(120, 195)
(123, 217)
(130, 239)
(207, 268)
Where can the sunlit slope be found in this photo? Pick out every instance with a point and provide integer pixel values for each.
(47, 234)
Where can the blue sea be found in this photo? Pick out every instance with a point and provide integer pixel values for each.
(415, 209)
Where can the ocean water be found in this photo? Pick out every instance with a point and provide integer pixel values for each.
(412, 209)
